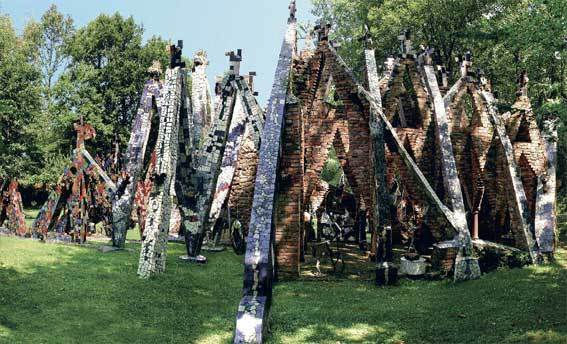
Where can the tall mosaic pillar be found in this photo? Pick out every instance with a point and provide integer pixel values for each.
(204, 115)
(252, 315)
(124, 199)
(154, 247)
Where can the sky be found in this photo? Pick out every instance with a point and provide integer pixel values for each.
(216, 26)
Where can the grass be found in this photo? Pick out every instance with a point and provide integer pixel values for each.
(30, 215)
(67, 294)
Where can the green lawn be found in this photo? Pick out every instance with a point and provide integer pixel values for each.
(66, 294)
(30, 215)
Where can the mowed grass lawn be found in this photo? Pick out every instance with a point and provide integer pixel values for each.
(66, 294)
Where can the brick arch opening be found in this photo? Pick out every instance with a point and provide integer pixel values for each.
(403, 105)
(523, 134)
(326, 112)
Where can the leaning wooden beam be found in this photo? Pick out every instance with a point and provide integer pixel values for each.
(466, 267)
(123, 200)
(485, 243)
(450, 95)
(519, 203)
(412, 166)
(545, 216)
(254, 306)
(154, 247)
(381, 206)
(107, 181)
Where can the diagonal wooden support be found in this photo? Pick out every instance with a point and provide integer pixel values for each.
(253, 309)
(107, 181)
(448, 165)
(466, 267)
(428, 191)
(520, 209)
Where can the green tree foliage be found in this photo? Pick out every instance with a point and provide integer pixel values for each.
(54, 74)
(505, 37)
(332, 171)
(46, 48)
(19, 104)
(106, 76)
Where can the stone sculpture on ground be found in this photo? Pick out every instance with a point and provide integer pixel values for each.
(171, 141)
(470, 174)
(11, 208)
(136, 158)
(221, 163)
(80, 198)
(192, 172)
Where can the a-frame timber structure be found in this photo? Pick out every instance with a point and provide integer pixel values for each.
(472, 177)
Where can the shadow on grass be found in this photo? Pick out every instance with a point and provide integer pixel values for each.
(511, 306)
(67, 294)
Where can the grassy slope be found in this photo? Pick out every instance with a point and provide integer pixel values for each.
(64, 294)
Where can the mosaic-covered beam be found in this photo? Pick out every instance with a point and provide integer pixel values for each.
(228, 165)
(252, 314)
(466, 266)
(519, 204)
(11, 208)
(124, 199)
(111, 187)
(246, 114)
(154, 247)
(46, 214)
(381, 204)
(203, 109)
(545, 216)
(195, 202)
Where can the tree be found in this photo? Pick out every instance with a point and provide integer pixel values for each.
(55, 30)
(54, 74)
(44, 45)
(109, 63)
(504, 36)
(19, 105)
